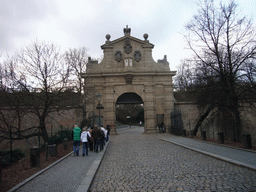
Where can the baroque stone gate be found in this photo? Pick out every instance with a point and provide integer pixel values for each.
(129, 69)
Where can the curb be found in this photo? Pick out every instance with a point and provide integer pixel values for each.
(88, 178)
(223, 145)
(234, 162)
(37, 174)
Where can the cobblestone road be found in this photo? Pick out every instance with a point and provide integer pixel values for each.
(142, 162)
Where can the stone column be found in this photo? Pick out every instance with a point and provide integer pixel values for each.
(150, 123)
(109, 112)
(169, 105)
(108, 57)
(89, 102)
(159, 99)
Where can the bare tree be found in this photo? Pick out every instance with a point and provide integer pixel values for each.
(77, 61)
(184, 78)
(225, 49)
(39, 77)
(12, 102)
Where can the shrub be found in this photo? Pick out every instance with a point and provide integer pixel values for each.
(65, 134)
(17, 154)
(55, 140)
(58, 138)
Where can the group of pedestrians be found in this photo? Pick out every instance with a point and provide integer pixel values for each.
(93, 139)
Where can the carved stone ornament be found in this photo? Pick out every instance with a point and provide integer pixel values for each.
(118, 56)
(127, 31)
(129, 78)
(137, 56)
(127, 46)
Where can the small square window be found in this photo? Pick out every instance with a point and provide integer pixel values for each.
(126, 62)
(130, 62)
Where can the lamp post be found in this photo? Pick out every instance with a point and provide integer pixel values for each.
(99, 106)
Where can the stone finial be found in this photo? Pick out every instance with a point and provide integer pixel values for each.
(127, 31)
(146, 37)
(108, 37)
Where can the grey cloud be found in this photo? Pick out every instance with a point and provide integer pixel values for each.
(17, 19)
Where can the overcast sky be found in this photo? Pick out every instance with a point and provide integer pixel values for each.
(85, 23)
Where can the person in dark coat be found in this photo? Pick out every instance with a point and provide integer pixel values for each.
(91, 140)
(96, 134)
(108, 129)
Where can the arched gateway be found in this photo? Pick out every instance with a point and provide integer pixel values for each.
(126, 71)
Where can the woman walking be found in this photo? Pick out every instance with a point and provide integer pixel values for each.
(85, 136)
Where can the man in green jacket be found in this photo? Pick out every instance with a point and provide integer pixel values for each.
(76, 133)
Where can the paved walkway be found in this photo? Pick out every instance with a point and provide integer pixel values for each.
(242, 157)
(71, 173)
(140, 162)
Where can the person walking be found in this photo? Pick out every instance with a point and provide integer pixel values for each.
(96, 134)
(91, 139)
(108, 131)
(76, 132)
(103, 137)
(85, 137)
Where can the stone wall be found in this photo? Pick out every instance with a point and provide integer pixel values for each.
(64, 119)
(249, 122)
(190, 115)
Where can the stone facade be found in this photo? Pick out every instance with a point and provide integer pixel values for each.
(128, 67)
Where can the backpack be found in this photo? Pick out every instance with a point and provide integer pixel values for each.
(88, 137)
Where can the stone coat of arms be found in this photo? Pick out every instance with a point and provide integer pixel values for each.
(127, 46)
(118, 56)
(137, 56)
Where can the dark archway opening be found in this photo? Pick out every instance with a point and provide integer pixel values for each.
(130, 109)
(129, 98)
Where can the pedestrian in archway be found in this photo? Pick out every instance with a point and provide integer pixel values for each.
(162, 127)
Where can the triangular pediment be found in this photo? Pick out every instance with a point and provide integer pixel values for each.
(123, 39)
(127, 54)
